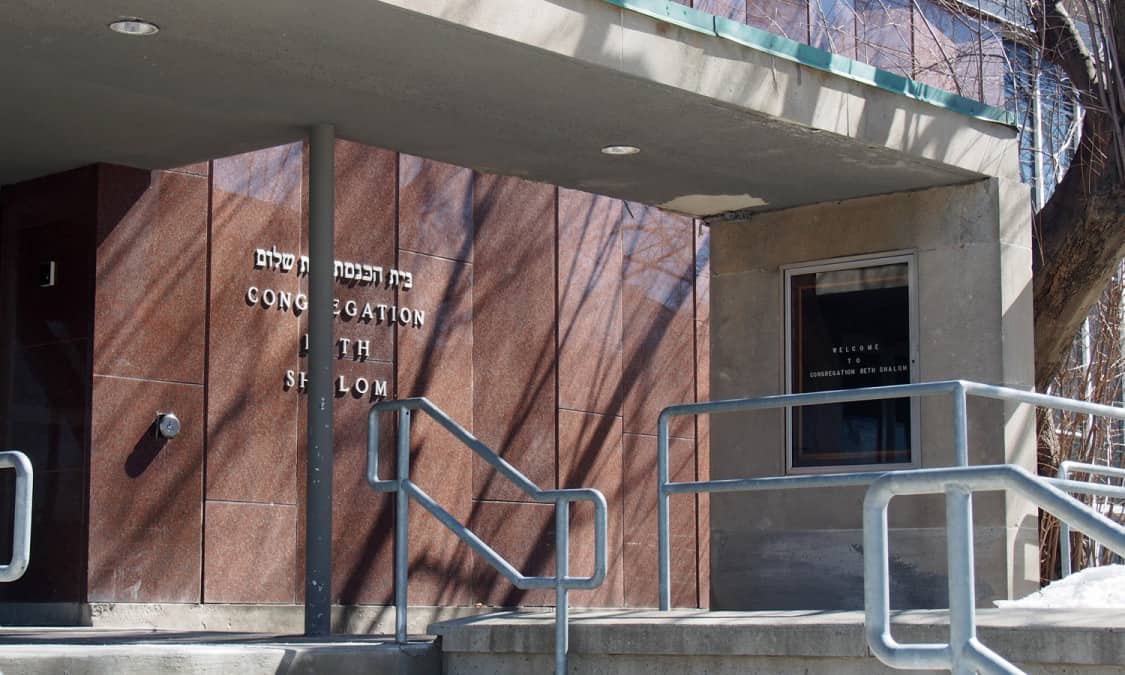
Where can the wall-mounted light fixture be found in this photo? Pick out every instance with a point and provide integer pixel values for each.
(619, 150)
(167, 425)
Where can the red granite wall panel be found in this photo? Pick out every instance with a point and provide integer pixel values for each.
(702, 272)
(146, 493)
(435, 208)
(734, 10)
(789, 18)
(253, 422)
(365, 235)
(514, 330)
(524, 535)
(640, 521)
(884, 34)
(946, 49)
(253, 340)
(832, 26)
(363, 346)
(250, 552)
(589, 288)
(197, 169)
(150, 303)
(590, 456)
(362, 519)
(658, 306)
(995, 65)
(504, 281)
(703, 393)
(436, 361)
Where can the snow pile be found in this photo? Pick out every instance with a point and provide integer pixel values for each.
(1095, 587)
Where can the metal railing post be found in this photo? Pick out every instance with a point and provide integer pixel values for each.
(1109, 491)
(964, 653)
(21, 514)
(960, 425)
(663, 525)
(962, 584)
(402, 526)
(1064, 535)
(561, 581)
(959, 544)
(876, 589)
(562, 570)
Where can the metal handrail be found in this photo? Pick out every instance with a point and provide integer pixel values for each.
(21, 526)
(1113, 491)
(957, 390)
(405, 489)
(964, 653)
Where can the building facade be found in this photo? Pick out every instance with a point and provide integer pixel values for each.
(553, 322)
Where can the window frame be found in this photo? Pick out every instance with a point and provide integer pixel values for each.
(909, 257)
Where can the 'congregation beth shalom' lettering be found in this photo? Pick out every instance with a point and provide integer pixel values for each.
(352, 272)
(359, 388)
(868, 370)
(287, 301)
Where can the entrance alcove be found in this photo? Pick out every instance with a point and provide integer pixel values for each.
(969, 246)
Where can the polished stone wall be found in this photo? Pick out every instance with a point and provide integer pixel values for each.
(555, 326)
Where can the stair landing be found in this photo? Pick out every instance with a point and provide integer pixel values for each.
(806, 642)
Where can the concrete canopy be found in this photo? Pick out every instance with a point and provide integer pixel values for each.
(532, 88)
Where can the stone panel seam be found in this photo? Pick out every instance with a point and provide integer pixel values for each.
(557, 320)
(206, 382)
(635, 433)
(243, 501)
(590, 412)
(511, 501)
(695, 395)
(398, 265)
(427, 255)
(148, 379)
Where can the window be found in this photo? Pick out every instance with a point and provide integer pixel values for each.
(850, 323)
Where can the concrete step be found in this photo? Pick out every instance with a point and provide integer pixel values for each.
(1086, 642)
(101, 652)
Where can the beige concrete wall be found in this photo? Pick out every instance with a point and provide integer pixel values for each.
(802, 549)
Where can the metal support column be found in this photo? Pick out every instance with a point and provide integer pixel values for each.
(318, 520)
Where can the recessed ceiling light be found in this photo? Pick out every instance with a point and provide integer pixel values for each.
(134, 26)
(620, 150)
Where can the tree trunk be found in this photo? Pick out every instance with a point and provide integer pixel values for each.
(1079, 238)
(1080, 242)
